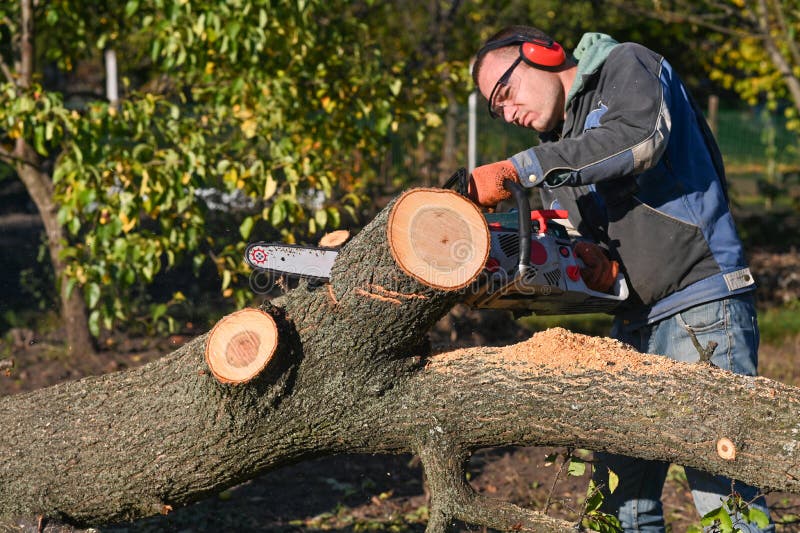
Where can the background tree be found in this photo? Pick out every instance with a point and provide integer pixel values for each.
(263, 116)
(756, 52)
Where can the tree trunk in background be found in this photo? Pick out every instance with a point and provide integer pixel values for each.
(72, 307)
(352, 372)
(450, 160)
(28, 164)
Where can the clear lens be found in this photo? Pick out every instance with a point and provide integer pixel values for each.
(503, 95)
(503, 89)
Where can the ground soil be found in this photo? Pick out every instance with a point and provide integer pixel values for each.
(381, 493)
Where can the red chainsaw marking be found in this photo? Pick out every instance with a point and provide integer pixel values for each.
(574, 272)
(538, 253)
(258, 256)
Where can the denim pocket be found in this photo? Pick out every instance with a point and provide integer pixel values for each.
(731, 324)
(703, 318)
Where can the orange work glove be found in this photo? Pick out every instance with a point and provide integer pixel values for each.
(486, 183)
(600, 272)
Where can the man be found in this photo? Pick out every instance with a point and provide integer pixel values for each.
(628, 153)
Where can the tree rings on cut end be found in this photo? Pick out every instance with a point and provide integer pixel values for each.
(438, 237)
(240, 345)
(334, 239)
(726, 449)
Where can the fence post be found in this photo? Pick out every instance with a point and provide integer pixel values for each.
(713, 113)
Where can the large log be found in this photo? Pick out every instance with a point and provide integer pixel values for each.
(351, 372)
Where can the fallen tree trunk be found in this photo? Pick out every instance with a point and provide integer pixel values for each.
(350, 372)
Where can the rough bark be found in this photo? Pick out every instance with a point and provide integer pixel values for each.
(352, 373)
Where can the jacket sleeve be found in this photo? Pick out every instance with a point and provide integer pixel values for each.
(626, 132)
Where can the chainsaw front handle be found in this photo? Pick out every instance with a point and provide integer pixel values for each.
(524, 218)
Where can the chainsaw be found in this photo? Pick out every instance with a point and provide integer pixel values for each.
(532, 266)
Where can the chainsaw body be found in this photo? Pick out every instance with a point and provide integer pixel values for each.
(550, 282)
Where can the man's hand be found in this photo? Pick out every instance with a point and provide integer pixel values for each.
(486, 183)
(600, 272)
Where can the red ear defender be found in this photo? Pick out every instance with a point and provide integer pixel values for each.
(542, 55)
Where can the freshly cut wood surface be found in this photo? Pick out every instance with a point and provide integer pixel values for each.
(438, 237)
(241, 345)
(334, 239)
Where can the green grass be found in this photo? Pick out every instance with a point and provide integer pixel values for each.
(589, 324)
(779, 324)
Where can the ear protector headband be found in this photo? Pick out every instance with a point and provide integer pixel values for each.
(538, 53)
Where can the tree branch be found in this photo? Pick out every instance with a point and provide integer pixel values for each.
(26, 44)
(703, 19)
(6, 71)
(452, 497)
(774, 52)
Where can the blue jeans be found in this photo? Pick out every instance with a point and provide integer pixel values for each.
(731, 323)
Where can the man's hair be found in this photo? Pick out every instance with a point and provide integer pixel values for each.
(524, 32)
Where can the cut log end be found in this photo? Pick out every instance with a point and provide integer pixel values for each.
(334, 239)
(438, 237)
(240, 345)
(726, 449)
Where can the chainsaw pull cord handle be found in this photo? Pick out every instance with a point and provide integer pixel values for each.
(524, 218)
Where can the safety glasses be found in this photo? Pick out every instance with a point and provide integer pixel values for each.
(495, 107)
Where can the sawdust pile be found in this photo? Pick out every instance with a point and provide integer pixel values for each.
(558, 349)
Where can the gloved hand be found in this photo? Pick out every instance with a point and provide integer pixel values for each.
(486, 183)
(600, 272)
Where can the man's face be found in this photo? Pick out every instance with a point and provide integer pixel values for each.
(525, 96)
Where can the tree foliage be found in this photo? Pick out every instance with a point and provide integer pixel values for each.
(265, 116)
(754, 52)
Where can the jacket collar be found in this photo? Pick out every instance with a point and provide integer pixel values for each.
(591, 53)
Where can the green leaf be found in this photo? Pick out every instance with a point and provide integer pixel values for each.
(321, 217)
(246, 227)
(38, 140)
(756, 516)
(94, 323)
(720, 517)
(131, 7)
(70, 286)
(92, 293)
(595, 499)
(159, 311)
(277, 214)
(613, 481)
(577, 467)
(335, 219)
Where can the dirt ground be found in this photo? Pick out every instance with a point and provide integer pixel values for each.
(370, 493)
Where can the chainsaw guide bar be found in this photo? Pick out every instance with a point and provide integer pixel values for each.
(294, 260)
